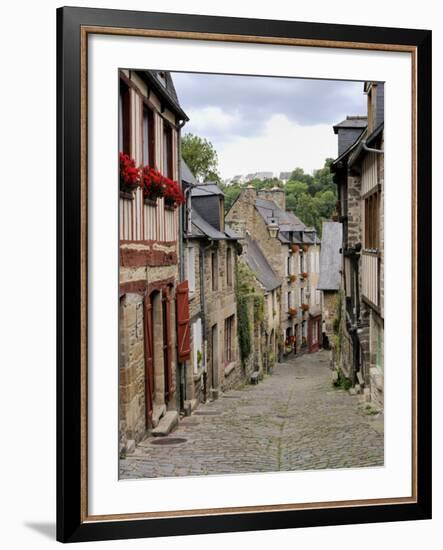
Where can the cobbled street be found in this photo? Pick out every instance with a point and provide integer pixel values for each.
(293, 420)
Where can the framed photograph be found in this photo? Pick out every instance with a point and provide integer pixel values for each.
(244, 274)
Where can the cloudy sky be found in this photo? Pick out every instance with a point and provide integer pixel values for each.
(267, 123)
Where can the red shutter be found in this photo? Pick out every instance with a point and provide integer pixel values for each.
(183, 325)
(149, 358)
(167, 342)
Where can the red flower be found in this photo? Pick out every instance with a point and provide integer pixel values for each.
(173, 194)
(129, 173)
(153, 183)
(155, 186)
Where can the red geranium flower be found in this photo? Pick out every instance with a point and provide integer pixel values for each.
(129, 173)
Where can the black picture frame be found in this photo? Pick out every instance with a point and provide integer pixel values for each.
(71, 525)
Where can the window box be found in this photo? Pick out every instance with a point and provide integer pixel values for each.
(150, 202)
(126, 195)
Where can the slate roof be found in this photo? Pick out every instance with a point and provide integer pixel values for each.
(186, 173)
(167, 92)
(206, 190)
(352, 122)
(287, 221)
(201, 228)
(258, 263)
(330, 257)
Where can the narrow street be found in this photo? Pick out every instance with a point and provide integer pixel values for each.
(293, 420)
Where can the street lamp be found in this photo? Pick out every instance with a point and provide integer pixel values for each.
(273, 227)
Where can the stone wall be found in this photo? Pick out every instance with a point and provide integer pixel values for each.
(131, 371)
(220, 305)
(160, 270)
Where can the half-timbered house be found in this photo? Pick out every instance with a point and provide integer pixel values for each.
(154, 333)
(359, 174)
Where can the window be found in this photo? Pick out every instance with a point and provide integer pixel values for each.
(214, 270)
(197, 344)
(191, 269)
(372, 210)
(124, 115)
(229, 267)
(148, 142)
(288, 267)
(302, 296)
(229, 339)
(167, 150)
(317, 297)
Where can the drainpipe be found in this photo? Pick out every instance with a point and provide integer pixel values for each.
(202, 251)
(180, 374)
(369, 149)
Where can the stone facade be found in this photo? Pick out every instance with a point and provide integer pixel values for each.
(288, 260)
(210, 258)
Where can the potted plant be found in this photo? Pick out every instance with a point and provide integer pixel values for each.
(153, 184)
(305, 307)
(129, 174)
(292, 278)
(295, 248)
(292, 312)
(304, 275)
(173, 194)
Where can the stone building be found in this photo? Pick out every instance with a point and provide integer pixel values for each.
(359, 175)
(263, 299)
(152, 344)
(210, 257)
(292, 251)
(330, 279)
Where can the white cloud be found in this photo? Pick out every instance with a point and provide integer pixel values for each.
(283, 146)
(210, 120)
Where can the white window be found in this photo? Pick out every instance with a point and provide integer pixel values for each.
(197, 344)
(317, 297)
(191, 269)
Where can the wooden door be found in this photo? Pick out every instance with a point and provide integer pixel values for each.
(167, 343)
(149, 359)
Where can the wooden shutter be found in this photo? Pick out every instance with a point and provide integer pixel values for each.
(167, 343)
(149, 358)
(183, 325)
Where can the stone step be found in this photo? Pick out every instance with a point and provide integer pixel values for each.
(167, 423)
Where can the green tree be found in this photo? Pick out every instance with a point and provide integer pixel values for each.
(231, 192)
(312, 198)
(201, 157)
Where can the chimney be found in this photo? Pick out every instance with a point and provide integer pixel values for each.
(241, 216)
(279, 197)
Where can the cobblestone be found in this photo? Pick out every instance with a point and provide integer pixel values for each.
(293, 420)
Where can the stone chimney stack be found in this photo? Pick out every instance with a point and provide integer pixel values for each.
(241, 215)
(276, 194)
(279, 197)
